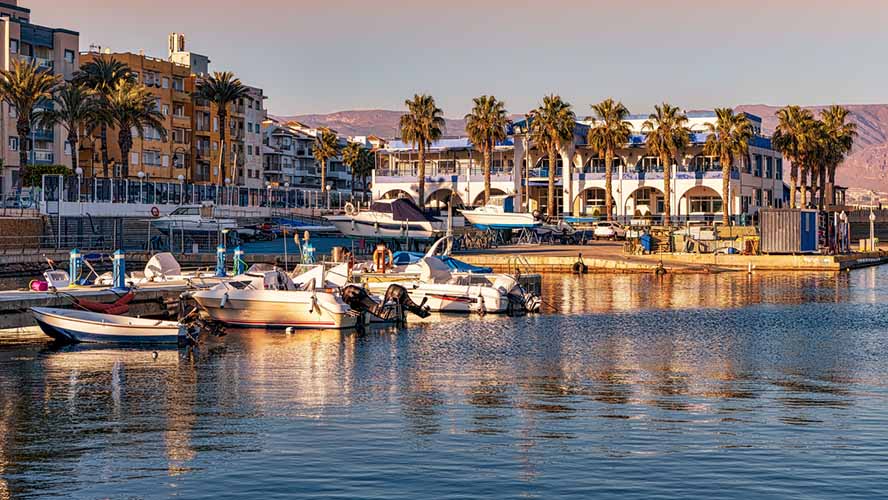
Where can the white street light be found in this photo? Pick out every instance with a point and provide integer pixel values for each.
(181, 189)
(227, 197)
(141, 176)
(79, 172)
(328, 195)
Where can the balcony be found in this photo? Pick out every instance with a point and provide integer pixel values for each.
(42, 156)
(42, 134)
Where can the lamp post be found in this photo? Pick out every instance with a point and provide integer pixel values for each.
(268, 195)
(227, 197)
(141, 176)
(872, 220)
(328, 195)
(79, 172)
(287, 194)
(181, 189)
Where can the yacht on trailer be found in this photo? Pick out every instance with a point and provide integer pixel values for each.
(394, 219)
(500, 213)
(193, 218)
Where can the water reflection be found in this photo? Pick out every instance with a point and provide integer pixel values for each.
(639, 367)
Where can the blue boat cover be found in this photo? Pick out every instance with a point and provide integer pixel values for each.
(403, 258)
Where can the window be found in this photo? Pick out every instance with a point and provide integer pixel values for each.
(758, 197)
(166, 83)
(706, 204)
(769, 167)
(758, 168)
(165, 109)
(769, 197)
(13, 143)
(136, 75)
(703, 163)
(178, 109)
(69, 56)
(67, 148)
(258, 130)
(779, 172)
(12, 112)
(215, 145)
(178, 84)
(134, 159)
(649, 164)
(151, 134)
(250, 149)
(151, 158)
(165, 160)
(13, 46)
(215, 124)
(180, 136)
(597, 165)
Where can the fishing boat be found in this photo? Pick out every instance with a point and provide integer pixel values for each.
(268, 297)
(71, 325)
(499, 213)
(396, 219)
(193, 218)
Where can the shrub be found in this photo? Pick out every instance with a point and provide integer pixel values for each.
(33, 174)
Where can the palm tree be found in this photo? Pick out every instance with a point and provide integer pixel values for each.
(221, 89)
(24, 86)
(791, 138)
(365, 165)
(326, 146)
(551, 127)
(102, 75)
(667, 135)
(351, 156)
(728, 140)
(609, 131)
(74, 108)
(840, 134)
(421, 126)
(131, 106)
(485, 126)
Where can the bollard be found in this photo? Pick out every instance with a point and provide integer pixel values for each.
(220, 262)
(119, 272)
(239, 267)
(75, 262)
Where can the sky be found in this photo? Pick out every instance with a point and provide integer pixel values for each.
(331, 55)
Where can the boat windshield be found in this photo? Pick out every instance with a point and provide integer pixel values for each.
(186, 211)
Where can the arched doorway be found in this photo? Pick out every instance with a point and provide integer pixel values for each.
(701, 203)
(592, 201)
(479, 200)
(644, 202)
(442, 198)
(397, 193)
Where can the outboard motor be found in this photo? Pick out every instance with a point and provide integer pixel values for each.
(397, 294)
(358, 299)
(522, 301)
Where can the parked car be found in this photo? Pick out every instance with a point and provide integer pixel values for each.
(609, 230)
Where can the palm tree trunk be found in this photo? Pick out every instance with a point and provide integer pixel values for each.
(323, 161)
(420, 172)
(822, 188)
(815, 182)
(803, 187)
(550, 204)
(23, 130)
(831, 186)
(486, 159)
(221, 115)
(124, 154)
(608, 183)
(726, 190)
(352, 168)
(72, 141)
(103, 136)
(667, 182)
(793, 183)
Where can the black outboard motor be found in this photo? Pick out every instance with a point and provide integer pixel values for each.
(358, 299)
(397, 294)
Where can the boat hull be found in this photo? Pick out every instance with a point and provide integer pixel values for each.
(65, 329)
(353, 227)
(500, 220)
(263, 309)
(453, 298)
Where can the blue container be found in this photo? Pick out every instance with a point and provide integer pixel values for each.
(647, 242)
(788, 231)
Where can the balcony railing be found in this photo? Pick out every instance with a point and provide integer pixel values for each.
(42, 156)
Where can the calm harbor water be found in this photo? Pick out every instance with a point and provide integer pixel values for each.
(717, 386)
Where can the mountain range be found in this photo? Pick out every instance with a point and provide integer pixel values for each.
(865, 167)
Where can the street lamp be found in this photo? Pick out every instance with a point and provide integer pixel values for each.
(141, 176)
(329, 187)
(268, 195)
(287, 194)
(227, 197)
(79, 172)
(181, 189)
(872, 219)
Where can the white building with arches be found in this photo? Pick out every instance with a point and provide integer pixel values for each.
(453, 166)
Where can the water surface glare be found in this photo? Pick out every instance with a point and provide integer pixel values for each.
(717, 386)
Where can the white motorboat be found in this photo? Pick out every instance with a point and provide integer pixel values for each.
(269, 297)
(193, 218)
(163, 268)
(70, 325)
(499, 213)
(441, 290)
(396, 219)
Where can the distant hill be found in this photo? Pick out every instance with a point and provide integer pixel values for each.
(866, 167)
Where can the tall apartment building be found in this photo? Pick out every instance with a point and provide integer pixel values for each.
(162, 160)
(289, 158)
(55, 50)
(251, 173)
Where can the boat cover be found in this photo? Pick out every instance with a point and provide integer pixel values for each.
(404, 258)
(162, 265)
(401, 209)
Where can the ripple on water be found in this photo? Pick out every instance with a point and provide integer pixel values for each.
(734, 386)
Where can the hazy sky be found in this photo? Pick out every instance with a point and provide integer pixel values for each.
(329, 55)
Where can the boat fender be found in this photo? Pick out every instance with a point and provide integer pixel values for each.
(350, 209)
(660, 269)
(224, 301)
(290, 330)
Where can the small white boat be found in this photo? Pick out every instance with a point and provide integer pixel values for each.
(269, 297)
(163, 268)
(192, 218)
(70, 325)
(499, 213)
(396, 219)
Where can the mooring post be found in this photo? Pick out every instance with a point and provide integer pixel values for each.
(74, 264)
(239, 264)
(220, 261)
(119, 271)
